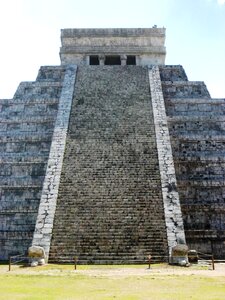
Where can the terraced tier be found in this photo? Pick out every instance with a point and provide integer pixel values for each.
(27, 123)
(197, 126)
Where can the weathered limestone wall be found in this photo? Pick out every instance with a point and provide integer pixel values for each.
(27, 123)
(197, 129)
(110, 206)
(145, 43)
(44, 223)
(173, 216)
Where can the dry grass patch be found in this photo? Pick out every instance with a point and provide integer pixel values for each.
(111, 282)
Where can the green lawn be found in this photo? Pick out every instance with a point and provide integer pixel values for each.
(61, 282)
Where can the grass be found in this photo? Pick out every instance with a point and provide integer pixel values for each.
(62, 282)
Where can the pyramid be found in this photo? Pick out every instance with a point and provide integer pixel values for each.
(112, 155)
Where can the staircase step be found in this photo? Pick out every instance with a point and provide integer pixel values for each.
(110, 182)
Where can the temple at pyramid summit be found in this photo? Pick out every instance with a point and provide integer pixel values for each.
(112, 155)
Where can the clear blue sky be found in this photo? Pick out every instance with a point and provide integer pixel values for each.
(30, 34)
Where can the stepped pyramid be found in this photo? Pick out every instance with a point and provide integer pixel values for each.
(112, 155)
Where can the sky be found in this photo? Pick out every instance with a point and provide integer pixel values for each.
(30, 34)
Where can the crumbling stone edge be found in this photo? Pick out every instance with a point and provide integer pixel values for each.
(172, 209)
(44, 223)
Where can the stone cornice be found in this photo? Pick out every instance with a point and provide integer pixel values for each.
(109, 32)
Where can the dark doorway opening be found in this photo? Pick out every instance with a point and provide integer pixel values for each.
(112, 60)
(131, 60)
(94, 60)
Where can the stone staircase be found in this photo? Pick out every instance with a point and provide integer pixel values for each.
(27, 123)
(197, 130)
(110, 207)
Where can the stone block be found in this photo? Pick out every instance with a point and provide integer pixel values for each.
(179, 255)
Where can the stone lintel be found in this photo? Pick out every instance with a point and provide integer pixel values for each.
(132, 50)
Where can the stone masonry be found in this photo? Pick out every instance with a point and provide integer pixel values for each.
(146, 44)
(110, 199)
(196, 125)
(27, 123)
(113, 159)
(173, 216)
(44, 223)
